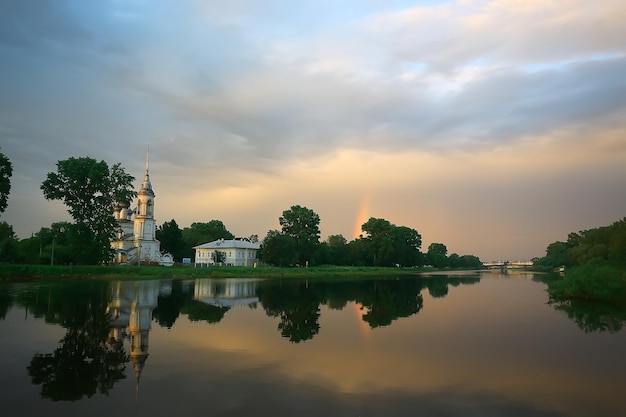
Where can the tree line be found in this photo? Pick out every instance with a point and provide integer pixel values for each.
(91, 188)
(595, 270)
(602, 245)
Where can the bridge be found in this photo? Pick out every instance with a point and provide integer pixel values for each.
(508, 264)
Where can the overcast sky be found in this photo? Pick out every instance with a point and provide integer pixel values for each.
(494, 127)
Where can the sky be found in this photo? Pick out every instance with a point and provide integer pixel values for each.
(494, 127)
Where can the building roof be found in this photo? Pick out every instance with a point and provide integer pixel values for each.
(228, 244)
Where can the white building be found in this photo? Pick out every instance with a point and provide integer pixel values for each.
(136, 242)
(233, 252)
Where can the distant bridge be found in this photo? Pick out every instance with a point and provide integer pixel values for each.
(508, 264)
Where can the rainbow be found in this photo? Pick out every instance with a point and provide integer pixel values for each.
(362, 215)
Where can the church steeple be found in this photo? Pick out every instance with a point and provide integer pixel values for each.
(146, 185)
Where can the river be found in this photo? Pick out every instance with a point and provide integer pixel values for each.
(464, 344)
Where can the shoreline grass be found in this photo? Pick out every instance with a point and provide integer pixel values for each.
(29, 272)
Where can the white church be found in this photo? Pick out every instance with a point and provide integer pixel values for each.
(135, 242)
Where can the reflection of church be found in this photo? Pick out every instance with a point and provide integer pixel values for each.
(130, 310)
(226, 293)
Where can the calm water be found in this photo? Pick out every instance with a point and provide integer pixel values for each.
(480, 344)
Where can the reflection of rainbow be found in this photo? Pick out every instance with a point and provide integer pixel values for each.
(364, 328)
(362, 215)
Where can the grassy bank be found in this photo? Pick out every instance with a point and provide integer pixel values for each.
(591, 283)
(24, 272)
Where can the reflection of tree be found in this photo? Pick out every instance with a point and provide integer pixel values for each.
(386, 301)
(438, 285)
(83, 363)
(591, 317)
(198, 311)
(5, 301)
(297, 303)
(298, 309)
(169, 307)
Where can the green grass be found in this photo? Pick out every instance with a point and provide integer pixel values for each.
(17, 272)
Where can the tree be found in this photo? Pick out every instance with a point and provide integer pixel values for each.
(336, 241)
(302, 224)
(8, 242)
(379, 240)
(406, 244)
(218, 256)
(278, 249)
(199, 233)
(336, 250)
(171, 238)
(6, 171)
(436, 255)
(90, 189)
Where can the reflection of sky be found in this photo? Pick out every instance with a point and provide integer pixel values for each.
(491, 347)
(449, 117)
(497, 338)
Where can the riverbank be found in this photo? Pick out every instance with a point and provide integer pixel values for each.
(29, 272)
(604, 283)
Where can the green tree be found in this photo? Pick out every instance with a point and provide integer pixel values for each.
(406, 244)
(8, 243)
(218, 256)
(470, 261)
(56, 241)
(171, 238)
(6, 171)
(454, 260)
(90, 189)
(199, 233)
(278, 249)
(436, 255)
(302, 224)
(379, 240)
(336, 250)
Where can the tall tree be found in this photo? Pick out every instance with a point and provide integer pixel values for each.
(6, 171)
(302, 224)
(379, 240)
(171, 238)
(90, 189)
(406, 244)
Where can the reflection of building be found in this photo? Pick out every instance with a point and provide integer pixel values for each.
(226, 292)
(135, 240)
(130, 310)
(227, 252)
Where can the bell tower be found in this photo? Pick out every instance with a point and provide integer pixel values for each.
(144, 223)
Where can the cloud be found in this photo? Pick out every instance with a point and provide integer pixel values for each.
(319, 103)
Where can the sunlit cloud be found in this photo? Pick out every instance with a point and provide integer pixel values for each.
(410, 113)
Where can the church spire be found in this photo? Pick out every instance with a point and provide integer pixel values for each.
(146, 185)
(148, 159)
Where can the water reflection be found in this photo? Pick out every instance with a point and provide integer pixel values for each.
(593, 317)
(338, 347)
(83, 363)
(129, 311)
